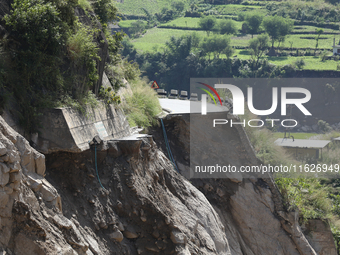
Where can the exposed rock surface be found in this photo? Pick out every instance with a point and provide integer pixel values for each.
(251, 210)
(320, 236)
(146, 208)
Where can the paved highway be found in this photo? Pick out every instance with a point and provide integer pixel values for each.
(176, 106)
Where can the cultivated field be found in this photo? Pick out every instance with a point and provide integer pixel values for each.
(300, 44)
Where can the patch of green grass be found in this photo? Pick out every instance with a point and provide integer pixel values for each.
(156, 37)
(234, 9)
(193, 23)
(241, 40)
(312, 29)
(299, 41)
(305, 41)
(307, 195)
(134, 7)
(242, 54)
(127, 23)
(296, 135)
(312, 63)
(184, 22)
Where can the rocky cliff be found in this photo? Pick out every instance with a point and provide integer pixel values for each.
(144, 206)
(251, 210)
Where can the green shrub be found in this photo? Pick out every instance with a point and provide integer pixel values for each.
(79, 105)
(82, 51)
(307, 195)
(323, 56)
(109, 96)
(300, 63)
(142, 106)
(106, 10)
(324, 126)
(85, 4)
(226, 27)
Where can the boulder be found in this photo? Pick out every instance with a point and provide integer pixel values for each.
(40, 166)
(4, 178)
(178, 237)
(48, 192)
(120, 226)
(4, 168)
(152, 247)
(13, 157)
(15, 167)
(130, 234)
(118, 236)
(15, 176)
(93, 244)
(3, 199)
(34, 181)
(15, 185)
(62, 222)
(184, 252)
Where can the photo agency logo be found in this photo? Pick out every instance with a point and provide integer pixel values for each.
(238, 104)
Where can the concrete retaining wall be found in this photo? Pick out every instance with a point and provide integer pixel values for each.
(65, 129)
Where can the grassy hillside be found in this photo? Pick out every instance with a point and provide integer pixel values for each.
(134, 7)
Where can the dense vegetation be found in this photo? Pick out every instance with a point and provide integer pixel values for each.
(53, 50)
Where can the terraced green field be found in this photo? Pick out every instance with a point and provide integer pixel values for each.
(155, 38)
(127, 23)
(193, 23)
(234, 9)
(312, 63)
(312, 29)
(184, 22)
(134, 7)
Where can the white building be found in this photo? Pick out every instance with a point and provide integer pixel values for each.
(336, 48)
